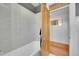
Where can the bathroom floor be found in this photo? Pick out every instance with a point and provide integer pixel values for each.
(39, 54)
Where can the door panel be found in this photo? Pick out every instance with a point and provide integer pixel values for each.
(45, 30)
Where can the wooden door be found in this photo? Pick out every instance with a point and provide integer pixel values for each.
(45, 30)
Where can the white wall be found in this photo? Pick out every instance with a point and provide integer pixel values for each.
(60, 33)
(18, 26)
(37, 26)
(22, 26)
(5, 28)
(74, 32)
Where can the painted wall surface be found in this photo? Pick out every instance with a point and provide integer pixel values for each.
(37, 26)
(18, 26)
(5, 28)
(74, 33)
(22, 26)
(60, 33)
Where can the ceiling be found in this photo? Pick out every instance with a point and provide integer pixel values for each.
(35, 4)
(33, 7)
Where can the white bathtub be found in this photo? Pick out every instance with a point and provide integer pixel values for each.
(27, 50)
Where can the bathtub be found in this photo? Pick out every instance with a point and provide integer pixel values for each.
(28, 50)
